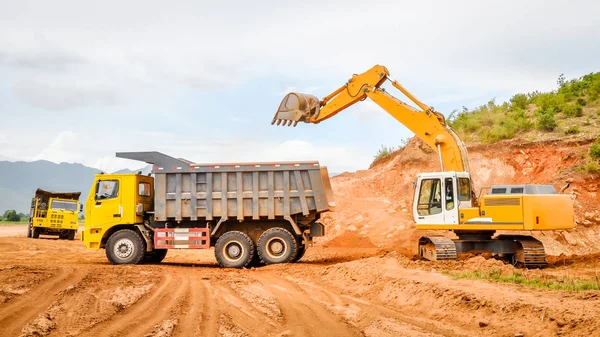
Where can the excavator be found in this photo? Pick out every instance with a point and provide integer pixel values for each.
(446, 200)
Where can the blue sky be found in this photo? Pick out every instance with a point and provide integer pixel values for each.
(81, 80)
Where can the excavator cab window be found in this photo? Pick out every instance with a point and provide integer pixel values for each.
(430, 201)
(464, 189)
(449, 186)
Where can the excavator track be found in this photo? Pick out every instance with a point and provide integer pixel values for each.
(530, 252)
(435, 248)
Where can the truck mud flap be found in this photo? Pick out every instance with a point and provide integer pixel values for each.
(435, 248)
(173, 238)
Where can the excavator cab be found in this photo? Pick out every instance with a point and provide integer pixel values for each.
(439, 196)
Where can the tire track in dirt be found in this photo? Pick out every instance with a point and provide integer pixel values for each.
(140, 317)
(375, 313)
(200, 315)
(15, 315)
(303, 316)
(237, 316)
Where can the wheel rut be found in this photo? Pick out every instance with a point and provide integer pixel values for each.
(18, 312)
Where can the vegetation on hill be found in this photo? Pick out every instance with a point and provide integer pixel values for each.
(572, 109)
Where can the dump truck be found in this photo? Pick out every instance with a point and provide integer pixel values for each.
(250, 213)
(54, 213)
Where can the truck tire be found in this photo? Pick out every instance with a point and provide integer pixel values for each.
(29, 230)
(125, 247)
(71, 235)
(300, 254)
(155, 256)
(234, 250)
(277, 245)
(35, 232)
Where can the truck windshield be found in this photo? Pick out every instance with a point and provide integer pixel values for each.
(64, 205)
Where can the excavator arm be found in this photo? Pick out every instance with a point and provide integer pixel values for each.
(424, 121)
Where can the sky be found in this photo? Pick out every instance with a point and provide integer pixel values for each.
(201, 80)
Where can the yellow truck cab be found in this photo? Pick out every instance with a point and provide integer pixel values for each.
(54, 213)
(116, 201)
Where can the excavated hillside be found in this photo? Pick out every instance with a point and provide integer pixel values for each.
(374, 205)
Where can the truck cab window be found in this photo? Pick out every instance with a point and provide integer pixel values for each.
(449, 194)
(107, 189)
(144, 189)
(430, 201)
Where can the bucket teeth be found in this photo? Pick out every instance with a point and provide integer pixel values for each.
(296, 107)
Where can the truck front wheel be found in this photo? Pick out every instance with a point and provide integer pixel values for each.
(155, 256)
(277, 245)
(125, 247)
(29, 230)
(35, 232)
(234, 250)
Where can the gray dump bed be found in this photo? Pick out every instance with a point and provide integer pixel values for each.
(188, 191)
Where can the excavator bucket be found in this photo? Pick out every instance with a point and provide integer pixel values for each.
(295, 108)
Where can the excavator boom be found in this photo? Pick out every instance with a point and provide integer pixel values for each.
(424, 121)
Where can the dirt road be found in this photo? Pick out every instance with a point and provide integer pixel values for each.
(58, 288)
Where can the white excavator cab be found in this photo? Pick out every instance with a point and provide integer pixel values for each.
(438, 196)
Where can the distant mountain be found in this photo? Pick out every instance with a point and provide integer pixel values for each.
(19, 180)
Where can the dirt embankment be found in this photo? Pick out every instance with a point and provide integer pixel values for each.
(376, 203)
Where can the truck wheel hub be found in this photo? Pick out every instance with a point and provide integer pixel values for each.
(124, 248)
(234, 251)
(276, 247)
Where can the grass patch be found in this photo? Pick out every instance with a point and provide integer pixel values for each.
(386, 151)
(590, 166)
(494, 122)
(572, 130)
(566, 283)
(13, 223)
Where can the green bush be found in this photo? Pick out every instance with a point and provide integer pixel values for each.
(572, 130)
(581, 102)
(572, 110)
(595, 150)
(545, 120)
(550, 100)
(519, 101)
(591, 166)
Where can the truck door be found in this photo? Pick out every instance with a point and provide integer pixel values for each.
(428, 205)
(107, 207)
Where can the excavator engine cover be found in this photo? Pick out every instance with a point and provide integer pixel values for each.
(296, 107)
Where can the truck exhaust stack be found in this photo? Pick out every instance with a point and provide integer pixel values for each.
(297, 107)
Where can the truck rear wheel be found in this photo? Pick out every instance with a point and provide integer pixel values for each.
(277, 245)
(29, 230)
(300, 254)
(155, 256)
(71, 235)
(234, 250)
(125, 247)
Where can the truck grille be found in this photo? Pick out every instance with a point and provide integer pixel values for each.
(56, 220)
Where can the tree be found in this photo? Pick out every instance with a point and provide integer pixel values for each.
(11, 215)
